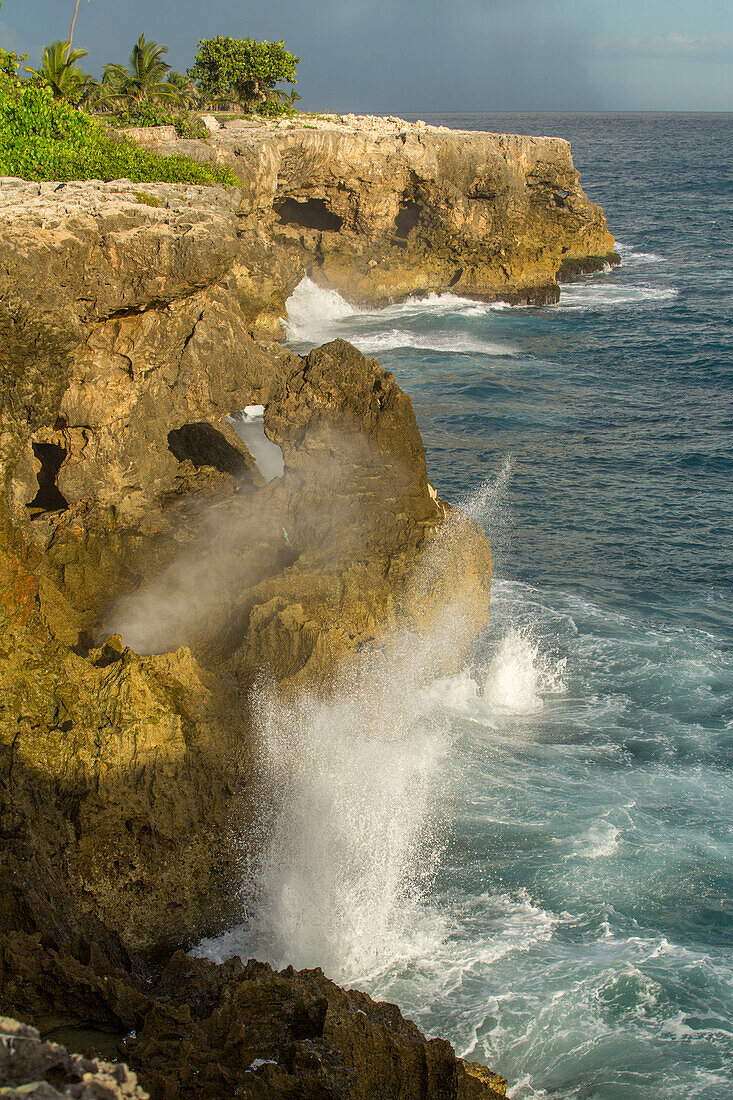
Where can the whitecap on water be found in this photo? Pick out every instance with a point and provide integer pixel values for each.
(597, 842)
(519, 674)
(458, 343)
(315, 315)
(631, 258)
(606, 295)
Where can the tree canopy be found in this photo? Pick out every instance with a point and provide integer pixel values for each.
(59, 71)
(146, 78)
(243, 71)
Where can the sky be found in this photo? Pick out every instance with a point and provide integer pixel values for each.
(423, 56)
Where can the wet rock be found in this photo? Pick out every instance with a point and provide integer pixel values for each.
(255, 1032)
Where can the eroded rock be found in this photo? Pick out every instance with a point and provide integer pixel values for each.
(45, 1071)
(382, 208)
(150, 577)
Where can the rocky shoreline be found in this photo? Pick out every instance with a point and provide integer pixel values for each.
(152, 579)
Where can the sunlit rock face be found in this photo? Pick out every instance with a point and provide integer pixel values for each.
(379, 209)
(152, 576)
(132, 508)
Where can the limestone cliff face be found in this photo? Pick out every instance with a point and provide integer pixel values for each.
(150, 576)
(129, 502)
(380, 208)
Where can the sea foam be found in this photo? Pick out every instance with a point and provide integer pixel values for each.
(315, 315)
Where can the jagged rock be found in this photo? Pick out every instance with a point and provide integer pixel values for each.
(126, 342)
(44, 1071)
(252, 1032)
(150, 576)
(209, 1031)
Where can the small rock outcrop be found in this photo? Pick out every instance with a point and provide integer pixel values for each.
(45, 1071)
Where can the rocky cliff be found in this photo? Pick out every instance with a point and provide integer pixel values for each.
(380, 208)
(152, 576)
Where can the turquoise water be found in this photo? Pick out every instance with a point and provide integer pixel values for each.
(584, 943)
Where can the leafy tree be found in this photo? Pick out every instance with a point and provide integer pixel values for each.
(9, 63)
(145, 79)
(243, 71)
(59, 71)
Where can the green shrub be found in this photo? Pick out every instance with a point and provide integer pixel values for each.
(144, 114)
(148, 200)
(153, 114)
(43, 139)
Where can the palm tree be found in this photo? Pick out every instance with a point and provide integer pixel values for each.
(73, 21)
(185, 86)
(60, 72)
(143, 81)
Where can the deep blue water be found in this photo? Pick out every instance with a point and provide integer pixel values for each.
(587, 885)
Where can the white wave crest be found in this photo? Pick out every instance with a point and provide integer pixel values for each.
(599, 841)
(519, 675)
(313, 313)
(600, 295)
(449, 342)
(630, 257)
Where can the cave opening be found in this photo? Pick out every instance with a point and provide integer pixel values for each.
(407, 217)
(203, 445)
(310, 214)
(249, 424)
(49, 497)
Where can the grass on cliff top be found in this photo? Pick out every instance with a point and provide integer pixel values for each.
(46, 139)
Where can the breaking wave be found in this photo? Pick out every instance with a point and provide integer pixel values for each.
(594, 295)
(315, 315)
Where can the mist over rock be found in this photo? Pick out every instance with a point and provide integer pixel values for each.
(155, 585)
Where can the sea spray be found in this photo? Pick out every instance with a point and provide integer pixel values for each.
(519, 675)
(315, 314)
(348, 781)
(490, 507)
(349, 832)
(347, 838)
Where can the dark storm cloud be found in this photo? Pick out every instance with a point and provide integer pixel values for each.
(430, 55)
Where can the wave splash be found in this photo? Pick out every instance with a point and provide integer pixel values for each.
(520, 675)
(315, 315)
(352, 842)
(352, 783)
(353, 797)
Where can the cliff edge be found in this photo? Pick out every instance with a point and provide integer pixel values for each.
(380, 208)
(156, 577)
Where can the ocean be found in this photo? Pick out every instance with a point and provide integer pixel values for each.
(536, 862)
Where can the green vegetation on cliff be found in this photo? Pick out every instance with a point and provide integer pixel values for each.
(42, 138)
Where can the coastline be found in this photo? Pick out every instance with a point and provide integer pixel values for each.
(127, 320)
